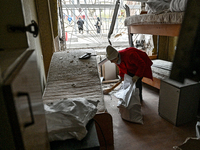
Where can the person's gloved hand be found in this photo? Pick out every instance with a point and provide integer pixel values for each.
(135, 78)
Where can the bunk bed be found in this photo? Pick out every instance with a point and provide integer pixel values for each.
(165, 23)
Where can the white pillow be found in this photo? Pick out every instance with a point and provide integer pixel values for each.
(155, 6)
(178, 5)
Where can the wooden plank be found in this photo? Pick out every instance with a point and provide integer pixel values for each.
(157, 29)
(155, 83)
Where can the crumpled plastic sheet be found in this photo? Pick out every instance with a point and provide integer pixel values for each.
(67, 118)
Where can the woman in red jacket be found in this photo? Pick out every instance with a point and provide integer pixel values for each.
(133, 62)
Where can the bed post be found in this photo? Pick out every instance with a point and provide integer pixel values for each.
(130, 35)
(158, 45)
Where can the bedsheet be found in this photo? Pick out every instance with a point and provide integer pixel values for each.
(164, 18)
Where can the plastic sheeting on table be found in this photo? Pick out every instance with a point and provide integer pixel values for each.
(67, 118)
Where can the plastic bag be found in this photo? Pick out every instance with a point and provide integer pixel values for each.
(67, 118)
(129, 101)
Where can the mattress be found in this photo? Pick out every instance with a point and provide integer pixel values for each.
(161, 69)
(71, 77)
(164, 18)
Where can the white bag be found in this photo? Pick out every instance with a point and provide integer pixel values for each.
(129, 101)
(67, 118)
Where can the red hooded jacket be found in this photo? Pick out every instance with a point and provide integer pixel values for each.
(136, 62)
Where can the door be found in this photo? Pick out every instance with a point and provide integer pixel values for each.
(12, 15)
(23, 98)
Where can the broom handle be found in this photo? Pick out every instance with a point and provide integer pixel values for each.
(112, 88)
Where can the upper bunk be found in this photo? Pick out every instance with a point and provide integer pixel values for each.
(157, 21)
(166, 24)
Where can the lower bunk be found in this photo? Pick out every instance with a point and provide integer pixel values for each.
(160, 70)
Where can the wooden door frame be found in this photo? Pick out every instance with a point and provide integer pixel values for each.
(46, 31)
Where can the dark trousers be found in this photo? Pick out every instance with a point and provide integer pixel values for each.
(98, 29)
(138, 85)
(80, 30)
